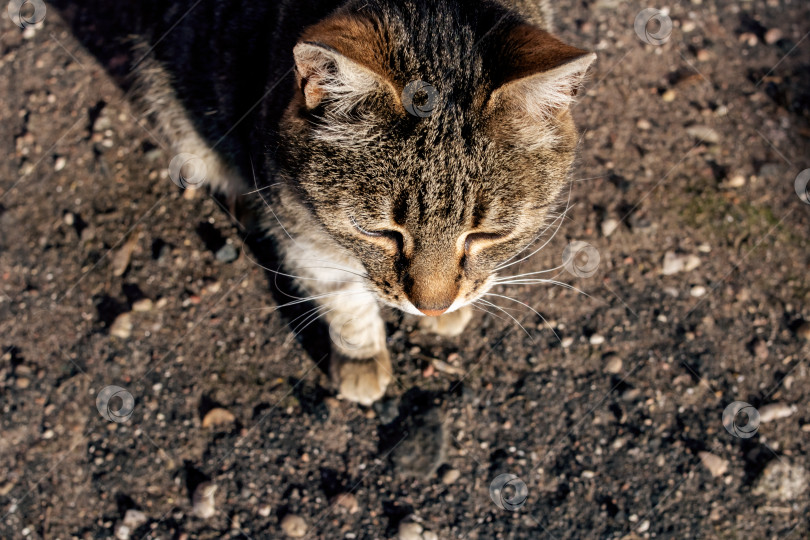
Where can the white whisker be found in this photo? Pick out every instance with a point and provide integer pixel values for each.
(303, 326)
(261, 189)
(479, 308)
(504, 278)
(306, 314)
(531, 308)
(277, 273)
(547, 281)
(267, 204)
(339, 268)
(315, 297)
(499, 308)
(561, 220)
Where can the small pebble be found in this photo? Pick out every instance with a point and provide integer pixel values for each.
(218, 417)
(142, 305)
(643, 124)
(613, 364)
(674, 263)
(704, 134)
(781, 480)
(698, 291)
(430, 535)
(668, 96)
(123, 256)
(644, 526)
(450, 476)
(567, 342)
(348, 502)
(203, 503)
(609, 226)
(23, 383)
(772, 36)
(294, 526)
(59, 164)
(410, 530)
(597, 339)
(716, 465)
(212, 288)
(134, 518)
(122, 326)
(264, 510)
(227, 253)
(776, 411)
(748, 38)
(736, 181)
(703, 55)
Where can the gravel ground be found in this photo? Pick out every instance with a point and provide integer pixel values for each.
(609, 414)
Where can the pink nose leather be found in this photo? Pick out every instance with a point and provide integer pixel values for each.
(432, 312)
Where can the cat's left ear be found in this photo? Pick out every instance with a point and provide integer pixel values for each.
(540, 74)
(336, 61)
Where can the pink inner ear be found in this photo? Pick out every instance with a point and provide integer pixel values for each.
(313, 94)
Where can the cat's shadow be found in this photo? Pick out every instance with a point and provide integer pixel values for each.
(102, 28)
(300, 317)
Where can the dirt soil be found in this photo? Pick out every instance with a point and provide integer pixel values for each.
(611, 414)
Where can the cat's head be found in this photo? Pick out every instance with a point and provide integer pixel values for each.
(431, 185)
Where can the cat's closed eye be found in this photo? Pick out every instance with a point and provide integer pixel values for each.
(392, 236)
(479, 240)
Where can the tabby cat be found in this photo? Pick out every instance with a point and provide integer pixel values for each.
(404, 148)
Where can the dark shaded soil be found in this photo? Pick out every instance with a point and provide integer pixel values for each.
(603, 455)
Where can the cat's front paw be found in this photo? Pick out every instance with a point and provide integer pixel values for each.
(362, 381)
(448, 325)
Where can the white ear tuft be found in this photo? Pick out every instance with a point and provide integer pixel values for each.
(548, 92)
(325, 75)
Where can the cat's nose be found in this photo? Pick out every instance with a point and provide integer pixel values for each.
(431, 282)
(432, 310)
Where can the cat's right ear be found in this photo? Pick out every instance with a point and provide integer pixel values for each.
(335, 64)
(538, 73)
